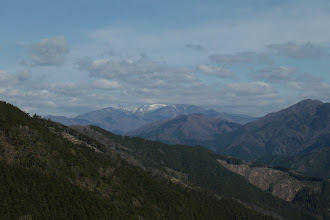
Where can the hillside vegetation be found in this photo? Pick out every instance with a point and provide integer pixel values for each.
(50, 171)
(46, 176)
(195, 167)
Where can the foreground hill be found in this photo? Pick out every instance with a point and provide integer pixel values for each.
(194, 129)
(48, 171)
(120, 120)
(51, 171)
(297, 137)
(195, 166)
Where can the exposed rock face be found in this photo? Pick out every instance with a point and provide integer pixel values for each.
(277, 182)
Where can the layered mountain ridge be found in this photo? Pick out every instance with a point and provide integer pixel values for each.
(297, 137)
(121, 120)
(50, 170)
(193, 129)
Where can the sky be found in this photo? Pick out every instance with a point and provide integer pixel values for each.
(241, 56)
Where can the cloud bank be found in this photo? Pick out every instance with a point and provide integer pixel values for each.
(48, 52)
(300, 51)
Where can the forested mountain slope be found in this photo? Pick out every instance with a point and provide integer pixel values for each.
(297, 137)
(193, 129)
(52, 171)
(48, 171)
(198, 167)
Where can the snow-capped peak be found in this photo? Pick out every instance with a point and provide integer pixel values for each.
(121, 108)
(139, 111)
(149, 108)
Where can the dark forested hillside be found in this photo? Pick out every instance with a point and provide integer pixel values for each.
(48, 171)
(52, 171)
(195, 167)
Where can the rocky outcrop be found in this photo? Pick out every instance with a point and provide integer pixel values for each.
(278, 183)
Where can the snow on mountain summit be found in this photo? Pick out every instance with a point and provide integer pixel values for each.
(140, 111)
(144, 109)
(149, 108)
(121, 108)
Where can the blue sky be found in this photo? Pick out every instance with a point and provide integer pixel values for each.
(251, 57)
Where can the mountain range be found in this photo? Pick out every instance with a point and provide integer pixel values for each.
(297, 137)
(193, 129)
(121, 120)
(48, 170)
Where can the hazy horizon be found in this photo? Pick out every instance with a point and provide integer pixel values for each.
(243, 57)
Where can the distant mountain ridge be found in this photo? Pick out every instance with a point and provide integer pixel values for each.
(121, 120)
(297, 137)
(193, 129)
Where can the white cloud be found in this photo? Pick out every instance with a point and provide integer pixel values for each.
(70, 99)
(311, 87)
(300, 51)
(69, 88)
(8, 92)
(51, 104)
(242, 57)
(252, 33)
(2, 90)
(275, 73)
(215, 71)
(250, 89)
(106, 84)
(196, 47)
(24, 75)
(48, 52)
(5, 77)
(141, 72)
(109, 68)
